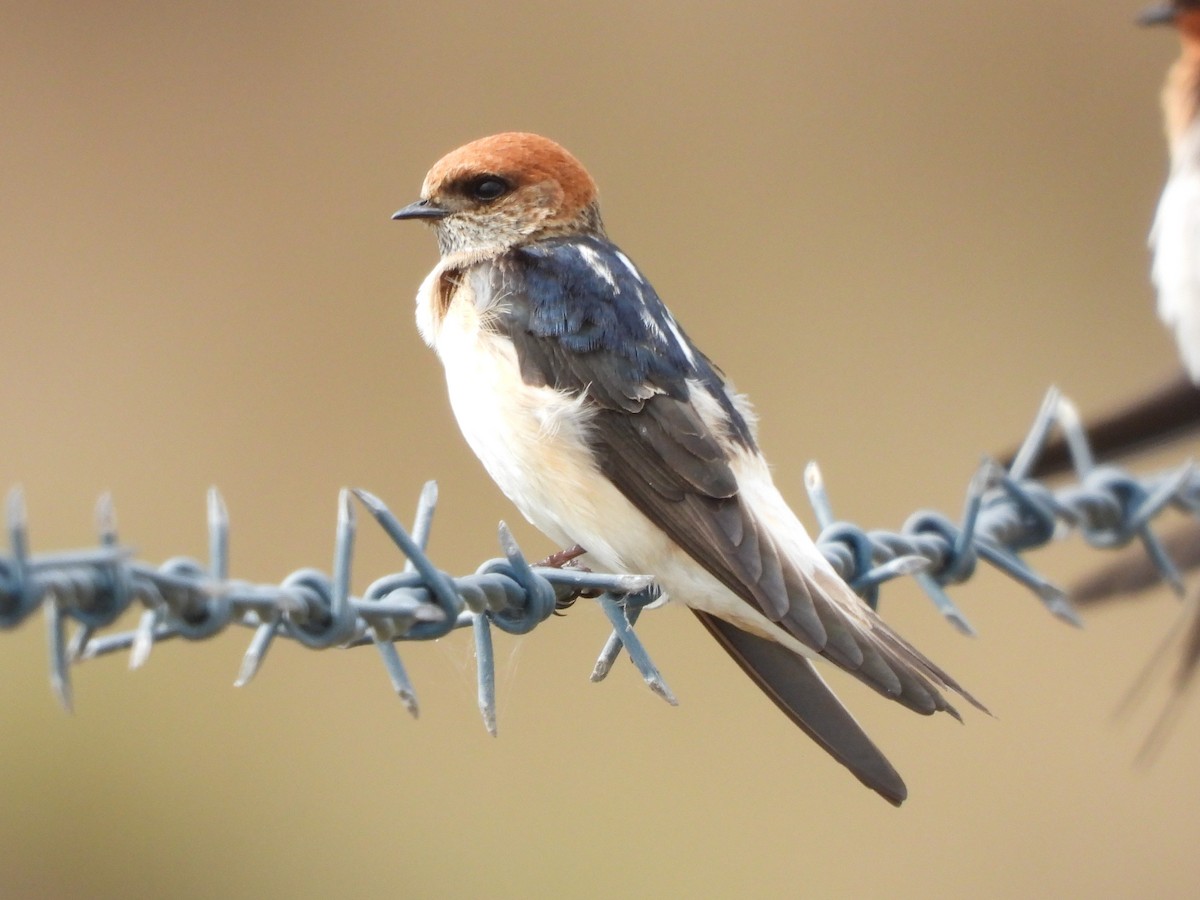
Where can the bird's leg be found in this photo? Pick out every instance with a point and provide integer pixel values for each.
(563, 559)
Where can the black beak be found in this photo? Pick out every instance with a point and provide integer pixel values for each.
(422, 209)
(1163, 14)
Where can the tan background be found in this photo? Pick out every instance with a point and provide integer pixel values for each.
(894, 224)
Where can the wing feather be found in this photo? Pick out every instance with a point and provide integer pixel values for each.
(610, 337)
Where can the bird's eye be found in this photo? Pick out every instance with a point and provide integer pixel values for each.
(488, 188)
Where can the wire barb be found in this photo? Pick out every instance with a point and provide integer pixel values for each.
(1004, 515)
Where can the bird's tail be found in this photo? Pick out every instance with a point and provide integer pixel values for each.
(797, 688)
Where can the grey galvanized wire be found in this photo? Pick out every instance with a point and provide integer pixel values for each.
(1005, 515)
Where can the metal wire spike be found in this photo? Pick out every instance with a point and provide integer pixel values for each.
(1073, 431)
(143, 639)
(106, 520)
(343, 553)
(539, 593)
(485, 662)
(892, 568)
(1039, 432)
(615, 611)
(943, 604)
(634, 604)
(398, 676)
(818, 497)
(985, 477)
(382, 632)
(1150, 507)
(79, 641)
(218, 536)
(423, 519)
(60, 673)
(256, 652)
(17, 520)
(609, 653)
(438, 584)
(15, 510)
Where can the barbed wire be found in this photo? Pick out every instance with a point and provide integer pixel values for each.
(1005, 515)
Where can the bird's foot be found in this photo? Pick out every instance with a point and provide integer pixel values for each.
(560, 558)
(563, 559)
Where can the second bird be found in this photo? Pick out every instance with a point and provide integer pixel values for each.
(1175, 236)
(598, 417)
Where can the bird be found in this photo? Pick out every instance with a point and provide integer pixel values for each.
(609, 430)
(1170, 411)
(1175, 234)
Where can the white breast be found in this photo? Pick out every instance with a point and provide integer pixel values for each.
(530, 439)
(1176, 242)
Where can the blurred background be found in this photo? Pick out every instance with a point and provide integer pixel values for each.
(894, 226)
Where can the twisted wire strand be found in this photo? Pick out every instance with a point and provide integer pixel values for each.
(1005, 515)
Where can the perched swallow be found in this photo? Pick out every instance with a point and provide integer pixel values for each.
(1171, 411)
(605, 425)
(1175, 235)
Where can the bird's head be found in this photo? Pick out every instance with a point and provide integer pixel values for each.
(505, 190)
(1183, 14)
